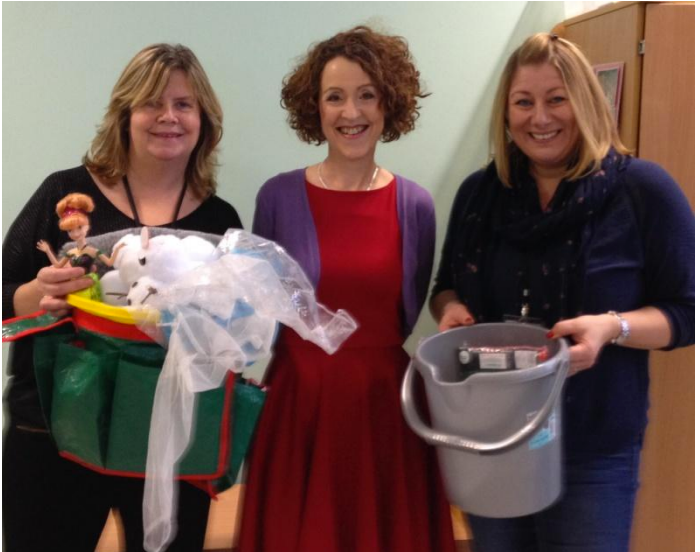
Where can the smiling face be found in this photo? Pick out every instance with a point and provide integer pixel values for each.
(352, 118)
(541, 119)
(79, 233)
(166, 128)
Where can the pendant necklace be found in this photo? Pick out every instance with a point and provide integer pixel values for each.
(368, 188)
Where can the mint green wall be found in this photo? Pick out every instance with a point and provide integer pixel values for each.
(61, 59)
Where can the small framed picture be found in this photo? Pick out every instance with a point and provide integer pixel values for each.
(610, 76)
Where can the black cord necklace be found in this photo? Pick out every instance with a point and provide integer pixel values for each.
(132, 203)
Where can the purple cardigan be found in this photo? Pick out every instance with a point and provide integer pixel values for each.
(283, 215)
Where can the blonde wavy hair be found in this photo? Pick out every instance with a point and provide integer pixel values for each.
(143, 80)
(597, 128)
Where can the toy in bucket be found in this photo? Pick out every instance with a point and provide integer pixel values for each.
(150, 261)
(496, 424)
(73, 211)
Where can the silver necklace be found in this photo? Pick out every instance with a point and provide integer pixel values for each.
(369, 187)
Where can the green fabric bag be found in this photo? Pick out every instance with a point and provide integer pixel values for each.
(248, 402)
(134, 391)
(83, 384)
(97, 387)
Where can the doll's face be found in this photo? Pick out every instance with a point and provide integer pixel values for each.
(79, 232)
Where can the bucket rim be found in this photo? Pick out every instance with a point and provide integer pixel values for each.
(505, 377)
(430, 369)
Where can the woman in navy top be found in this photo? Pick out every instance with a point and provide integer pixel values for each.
(563, 226)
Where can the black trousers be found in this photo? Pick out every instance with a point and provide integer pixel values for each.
(50, 503)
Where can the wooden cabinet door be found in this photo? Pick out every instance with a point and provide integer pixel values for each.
(664, 517)
(611, 34)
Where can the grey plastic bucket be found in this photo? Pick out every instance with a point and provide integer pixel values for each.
(498, 434)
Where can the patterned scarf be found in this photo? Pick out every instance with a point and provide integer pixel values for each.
(495, 213)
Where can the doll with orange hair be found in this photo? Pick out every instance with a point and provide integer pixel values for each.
(73, 212)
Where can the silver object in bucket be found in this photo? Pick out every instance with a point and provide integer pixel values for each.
(498, 434)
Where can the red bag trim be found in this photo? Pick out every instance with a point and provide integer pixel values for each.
(225, 433)
(205, 486)
(24, 317)
(108, 327)
(82, 319)
(31, 331)
(122, 473)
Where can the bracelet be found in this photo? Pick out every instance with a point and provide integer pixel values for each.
(624, 329)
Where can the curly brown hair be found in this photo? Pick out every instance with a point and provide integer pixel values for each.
(387, 61)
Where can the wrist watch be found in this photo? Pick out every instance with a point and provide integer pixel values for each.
(624, 329)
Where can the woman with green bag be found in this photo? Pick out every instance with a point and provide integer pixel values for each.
(151, 163)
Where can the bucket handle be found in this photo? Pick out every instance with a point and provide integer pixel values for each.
(433, 437)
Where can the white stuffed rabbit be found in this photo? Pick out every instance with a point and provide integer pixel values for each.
(147, 263)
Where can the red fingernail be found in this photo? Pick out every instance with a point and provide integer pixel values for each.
(550, 335)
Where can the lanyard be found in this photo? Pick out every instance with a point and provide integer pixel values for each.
(525, 299)
(132, 203)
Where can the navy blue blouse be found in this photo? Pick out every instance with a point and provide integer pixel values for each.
(639, 252)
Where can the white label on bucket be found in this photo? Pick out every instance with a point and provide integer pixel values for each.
(545, 435)
(493, 361)
(525, 359)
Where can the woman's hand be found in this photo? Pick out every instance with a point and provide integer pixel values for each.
(455, 315)
(53, 284)
(590, 334)
(449, 312)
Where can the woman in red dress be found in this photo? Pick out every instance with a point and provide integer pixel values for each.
(334, 467)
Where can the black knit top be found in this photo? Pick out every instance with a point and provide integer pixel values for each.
(21, 261)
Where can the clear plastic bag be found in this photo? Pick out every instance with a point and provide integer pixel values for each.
(216, 318)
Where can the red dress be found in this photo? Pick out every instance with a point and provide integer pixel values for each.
(334, 467)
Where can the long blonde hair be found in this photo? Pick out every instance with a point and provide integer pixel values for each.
(597, 128)
(144, 79)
